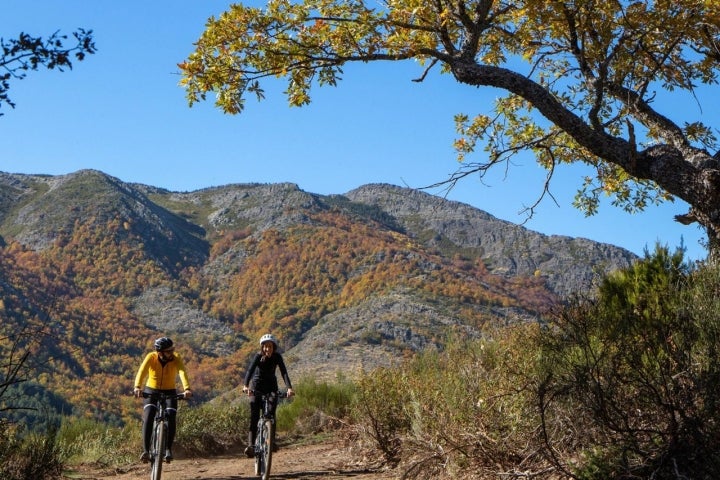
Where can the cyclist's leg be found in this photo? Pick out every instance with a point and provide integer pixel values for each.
(272, 405)
(148, 418)
(171, 406)
(255, 405)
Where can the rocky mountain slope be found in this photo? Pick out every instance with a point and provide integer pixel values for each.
(568, 264)
(349, 281)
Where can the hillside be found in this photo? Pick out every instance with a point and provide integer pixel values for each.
(93, 269)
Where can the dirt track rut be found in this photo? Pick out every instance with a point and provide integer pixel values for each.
(305, 462)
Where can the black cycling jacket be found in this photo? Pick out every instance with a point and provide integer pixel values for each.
(260, 376)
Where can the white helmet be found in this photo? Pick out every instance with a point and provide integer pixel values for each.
(268, 337)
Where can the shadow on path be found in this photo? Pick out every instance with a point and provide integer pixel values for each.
(309, 475)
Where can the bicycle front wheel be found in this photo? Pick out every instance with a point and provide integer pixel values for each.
(258, 462)
(158, 449)
(268, 433)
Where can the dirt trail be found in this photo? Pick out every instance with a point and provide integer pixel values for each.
(322, 461)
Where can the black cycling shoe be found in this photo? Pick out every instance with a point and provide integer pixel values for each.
(145, 457)
(168, 456)
(250, 451)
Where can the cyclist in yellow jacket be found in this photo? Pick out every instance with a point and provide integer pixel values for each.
(157, 374)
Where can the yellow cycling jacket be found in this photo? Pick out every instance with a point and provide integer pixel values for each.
(161, 377)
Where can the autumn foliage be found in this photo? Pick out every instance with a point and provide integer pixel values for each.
(76, 298)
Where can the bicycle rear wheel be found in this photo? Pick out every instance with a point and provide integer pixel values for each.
(268, 433)
(157, 450)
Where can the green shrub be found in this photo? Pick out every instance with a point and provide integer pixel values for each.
(219, 426)
(316, 406)
(88, 441)
(379, 408)
(213, 427)
(25, 456)
(467, 411)
(633, 374)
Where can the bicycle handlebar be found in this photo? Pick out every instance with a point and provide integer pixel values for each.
(278, 394)
(167, 396)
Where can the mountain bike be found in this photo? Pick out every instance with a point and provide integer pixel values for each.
(158, 441)
(265, 438)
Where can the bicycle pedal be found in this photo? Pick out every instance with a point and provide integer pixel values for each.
(249, 452)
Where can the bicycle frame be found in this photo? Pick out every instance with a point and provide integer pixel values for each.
(158, 442)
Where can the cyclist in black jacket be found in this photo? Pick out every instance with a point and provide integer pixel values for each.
(260, 379)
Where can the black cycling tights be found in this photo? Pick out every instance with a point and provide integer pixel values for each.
(149, 410)
(255, 406)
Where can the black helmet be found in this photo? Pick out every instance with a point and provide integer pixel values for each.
(163, 343)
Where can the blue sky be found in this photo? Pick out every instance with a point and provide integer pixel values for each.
(122, 112)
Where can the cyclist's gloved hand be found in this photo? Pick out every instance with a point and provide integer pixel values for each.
(246, 389)
(290, 392)
(137, 392)
(187, 393)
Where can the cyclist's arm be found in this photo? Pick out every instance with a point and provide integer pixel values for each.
(142, 372)
(250, 372)
(182, 373)
(284, 374)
